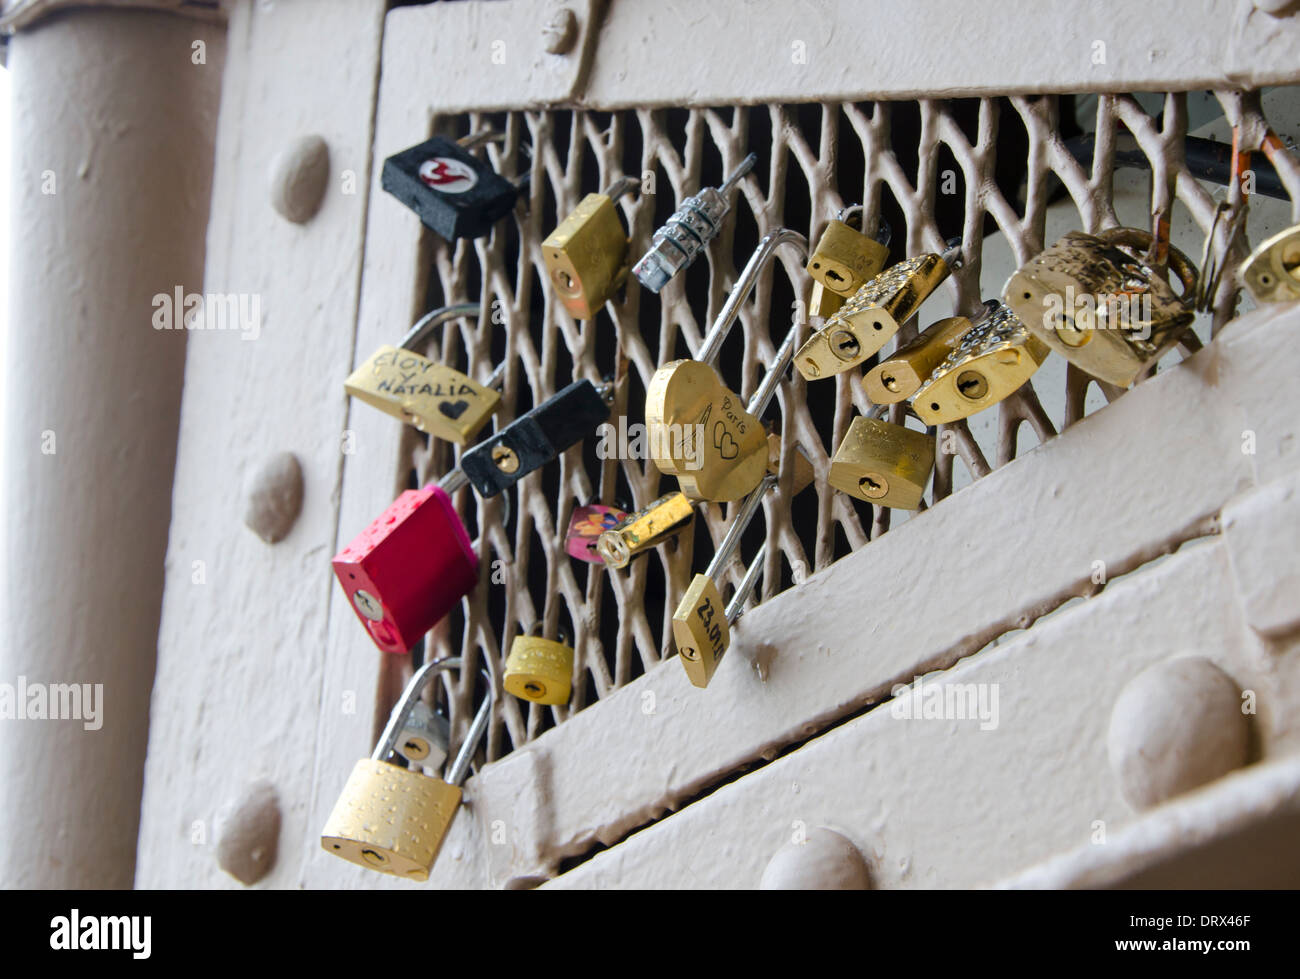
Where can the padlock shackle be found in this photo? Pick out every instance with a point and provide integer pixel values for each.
(883, 234)
(433, 319)
(477, 139)
(952, 254)
(746, 587)
(717, 334)
(1139, 241)
(620, 187)
(731, 540)
(775, 374)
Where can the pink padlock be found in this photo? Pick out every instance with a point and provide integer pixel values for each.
(585, 527)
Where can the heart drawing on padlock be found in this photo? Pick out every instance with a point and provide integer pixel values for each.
(453, 410)
(727, 446)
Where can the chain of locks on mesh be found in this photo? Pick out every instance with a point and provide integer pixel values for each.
(821, 157)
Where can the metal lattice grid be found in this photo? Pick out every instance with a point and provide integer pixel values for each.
(1010, 156)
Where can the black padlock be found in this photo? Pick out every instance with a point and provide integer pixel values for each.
(529, 442)
(456, 194)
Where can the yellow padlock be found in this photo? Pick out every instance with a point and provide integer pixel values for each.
(845, 258)
(873, 314)
(586, 256)
(539, 670)
(649, 527)
(393, 819)
(991, 361)
(898, 378)
(433, 397)
(883, 463)
(1272, 273)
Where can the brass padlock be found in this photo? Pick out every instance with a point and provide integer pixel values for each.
(874, 313)
(649, 527)
(586, 256)
(540, 670)
(1272, 273)
(394, 819)
(898, 378)
(433, 397)
(990, 361)
(1096, 301)
(823, 303)
(845, 258)
(883, 463)
(698, 429)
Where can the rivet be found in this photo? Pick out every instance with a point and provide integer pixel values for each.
(248, 833)
(561, 31)
(299, 177)
(823, 861)
(273, 497)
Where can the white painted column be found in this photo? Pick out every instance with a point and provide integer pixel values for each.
(113, 125)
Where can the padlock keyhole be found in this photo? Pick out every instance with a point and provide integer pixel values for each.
(845, 345)
(890, 382)
(972, 384)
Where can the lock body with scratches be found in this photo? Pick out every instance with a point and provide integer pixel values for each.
(392, 819)
(701, 630)
(990, 361)
(845, 258)
(872, 315)
(649, 527)
(433, 397)
(408, 568)
(899, 377)
(1096, 301)
(1272, 272)
(586, 256)
(587, 525)
(539, 670)
(822, 302)
(455, 194)
(883, 463)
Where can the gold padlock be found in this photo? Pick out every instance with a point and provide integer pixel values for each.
(649, 527)
(1096, 301)
(990, 361)
(874, 313)
(698, 429)
(586, 256)
(540, 670)
(394, 819)
(883, 463)
(1272, 273)
(845, 258)
(433, 397)
(823, 302)
(898, 378)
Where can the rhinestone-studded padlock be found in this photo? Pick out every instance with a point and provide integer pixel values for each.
(586, 526)
(874, 313)
(433, 397)
(414, 563)
(539, 670)
(697, 428)
(586, 256)
(688, 232)
(455, 194)
(1272, 273)
(701, 623)
(990, 361)
(908, 367)
(883, 463)
(845, 258)
(394, 819)
(1096, 301)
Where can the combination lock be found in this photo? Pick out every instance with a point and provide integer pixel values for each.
(688, 232)
(990, 361)
(874, 313)
(415, 562)
(586, 256)
(394, 819)
(1096, 301)
(433, 397)
(455, 194)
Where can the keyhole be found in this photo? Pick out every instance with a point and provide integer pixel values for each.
(873, 486)
(812, 368)
(835, 276)
(845, 344)
(534, 688)
(890, 382)
(1069, 333)
(972, 384)
(373, 857)
(689, 653)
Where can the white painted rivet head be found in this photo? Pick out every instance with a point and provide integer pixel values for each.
(248, 833)
(273, 497)
(1276, 7)
(1175, 726)
(299, 177)
(823, 861)
(561, 31)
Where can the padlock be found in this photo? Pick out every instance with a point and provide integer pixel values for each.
(394, 819)
(586, 526)
(898, 378)
(455, 194)
(586, 256)
(433, 397)
(701, 623)
(874, 313)
(649, 527)
(845, 258)
(1272, 273)
(539, 670)
(1096, 301)
(698, 429)
(688, 232)
(823, 303)
(424, 737)
(415, 562)
(883, 463)
(990, 361)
